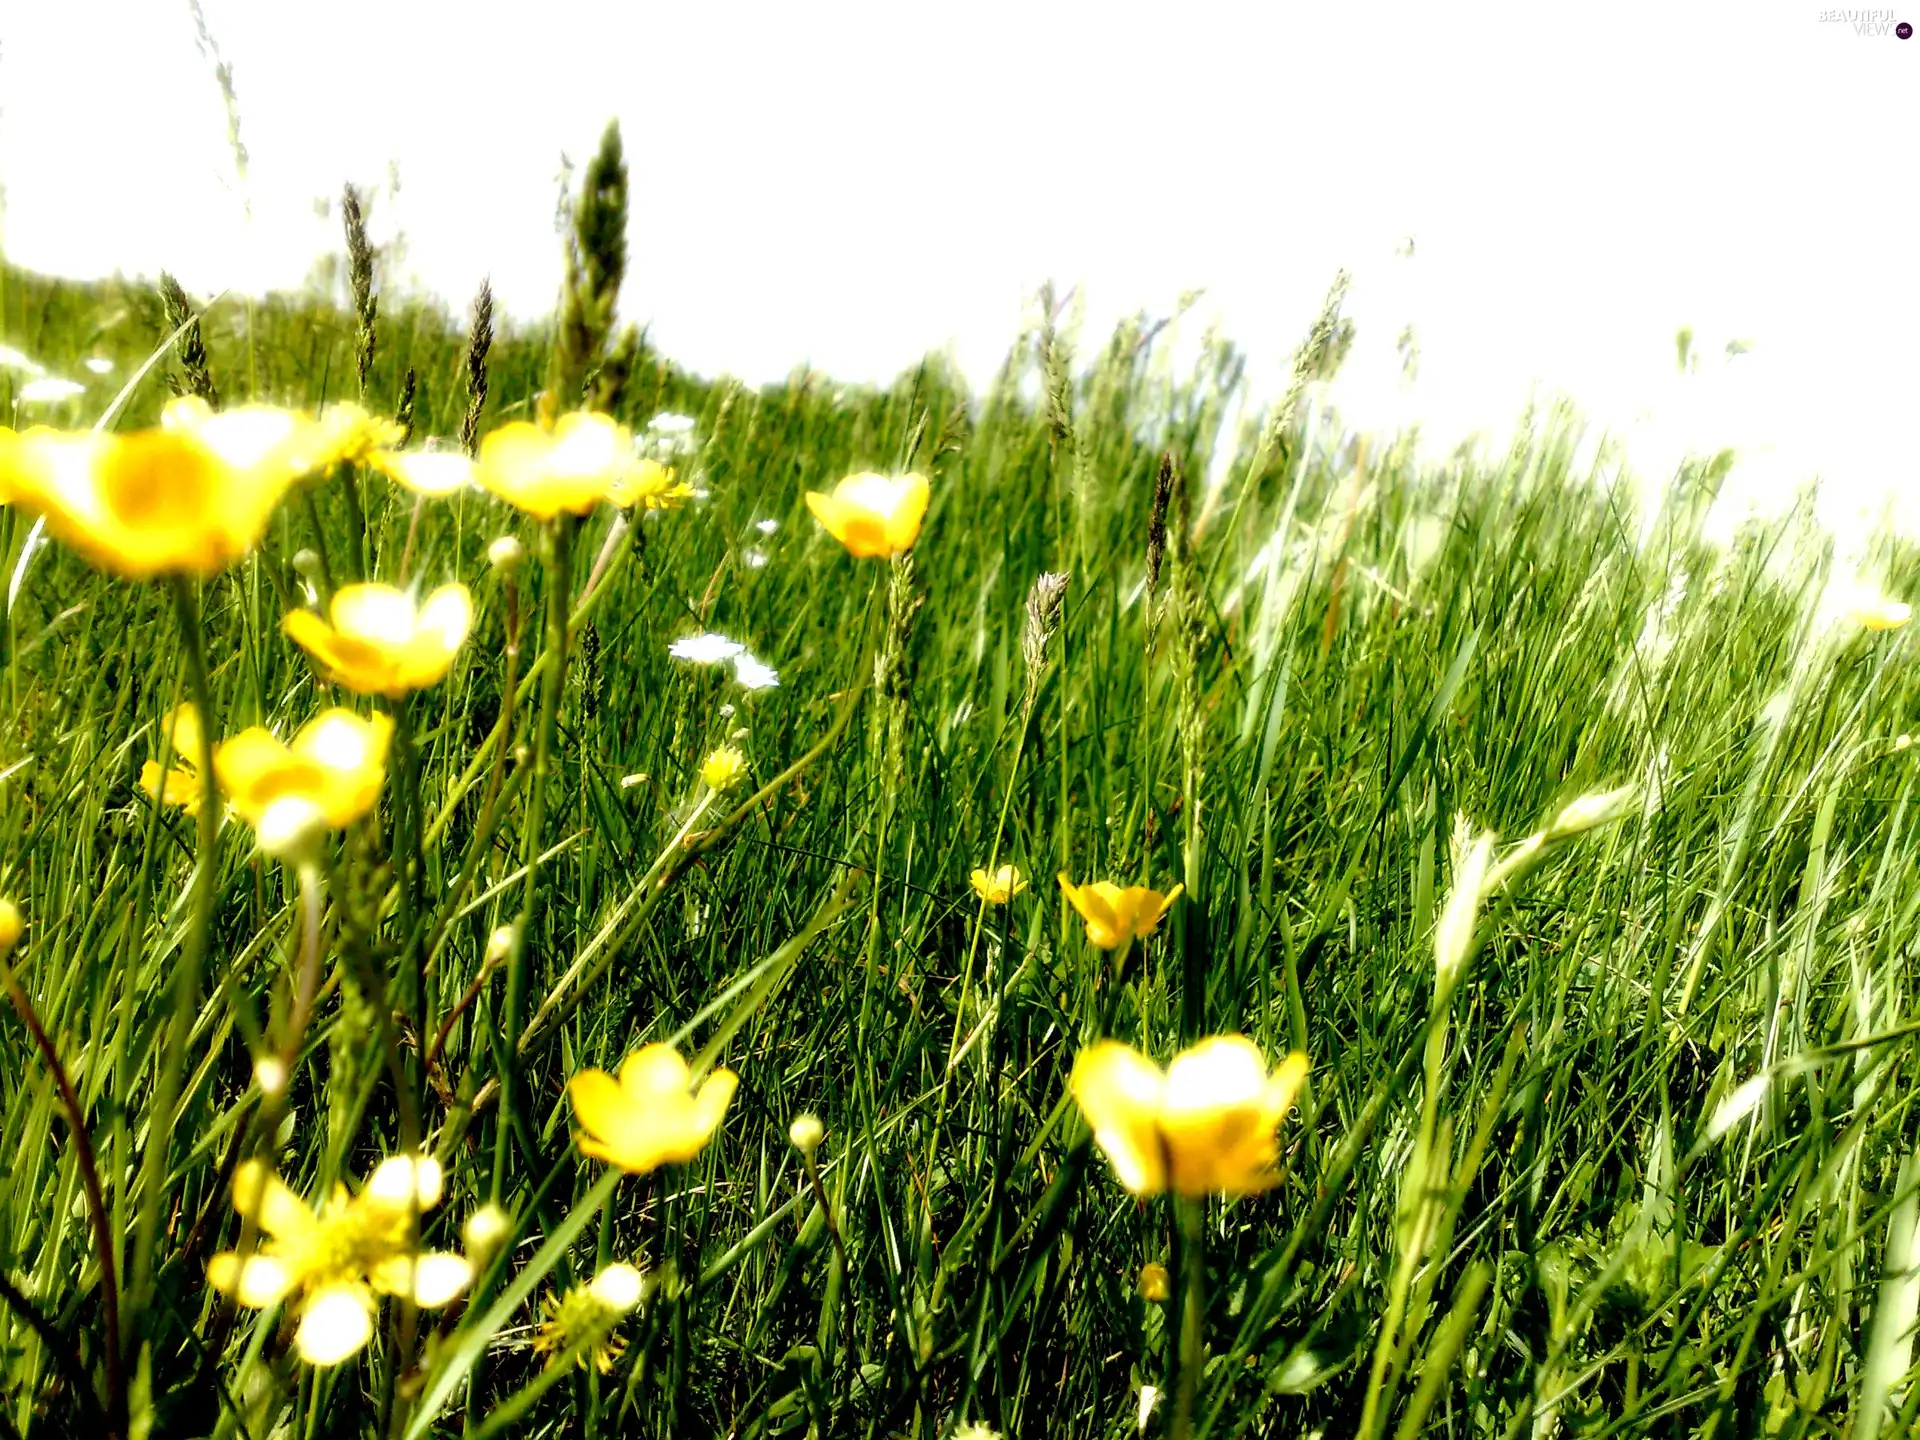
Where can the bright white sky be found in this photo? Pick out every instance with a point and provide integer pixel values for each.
(852, 185)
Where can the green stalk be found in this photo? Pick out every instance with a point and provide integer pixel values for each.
(186, 976)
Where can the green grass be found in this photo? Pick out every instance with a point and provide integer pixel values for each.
(1352, 652)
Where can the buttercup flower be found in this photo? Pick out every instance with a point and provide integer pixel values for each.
(570, 467)
(433, 473)
(651, 1116)
(337, 1259)
(1204, 1126)
(346, 434)
(380, 642)
(650, 485)
(873, 515)
(1874, 611)
(580, 1323)
(187, 498)
(1114, 915)
(723, 767)
(180, 783)
(328, 777)
(10, 926)
(998, 887)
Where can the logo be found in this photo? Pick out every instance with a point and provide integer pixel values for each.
(1868, 22)
(1903, 30)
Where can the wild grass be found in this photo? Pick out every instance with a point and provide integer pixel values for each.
(1544, 1199)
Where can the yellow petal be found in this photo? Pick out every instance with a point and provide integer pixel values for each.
(1218, 1120)
(378, 614)
(259, 1195)
(442, 628)
(340, 659)
(1119, 1090)
(335, 1322)
(406, 1182)
(1095, 904)
(433, 473)
(910, 507)
(432, 1279)
(599, 1104)
(183, 723)
(653, 1070)
(256, 1282)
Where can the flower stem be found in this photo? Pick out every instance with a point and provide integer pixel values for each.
(1193, 1311)
(559, 576)
(186, 975)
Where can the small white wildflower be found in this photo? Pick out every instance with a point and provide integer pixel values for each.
(701, 495)
(752, 674)
(670, 422)
(708, 649)
(726, 711)
(270, 1074)
(12, 359)
(48, 390)
(766, 527)
(99, 364)
(756, 558)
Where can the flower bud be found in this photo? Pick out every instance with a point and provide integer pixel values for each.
(1155, 1286)
(485, 1232)
(270, 1074)
(500, 943)
(806, 1133)
(506, 554)
(306, 563)
(618, 1287)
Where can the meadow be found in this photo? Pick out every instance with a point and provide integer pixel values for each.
(1552, 860)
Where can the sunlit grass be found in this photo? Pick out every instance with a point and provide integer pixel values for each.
(1572, 849)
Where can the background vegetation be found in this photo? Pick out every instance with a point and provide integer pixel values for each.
(1343, 652)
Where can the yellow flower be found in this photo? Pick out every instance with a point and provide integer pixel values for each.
(180, 783)
(327, 778)
(650, 485)
(873, 515)
(187, 498)
(651, 1116)
(723, 768)
(1204, 1126)
(570, 467)
(1874, 611)
(338, 1258)
(346, 434)
(580, 1323)
(10, 926)
(1115, 916)
(433, 473)
(380, 641)
(1155, 1284)
(1000, 886)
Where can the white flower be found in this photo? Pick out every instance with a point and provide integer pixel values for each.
(99, 365)
(754, 675)
(669, 422)
(708, 649)
(12, 359)
(756, 558)
(48, 390)
(767, 526)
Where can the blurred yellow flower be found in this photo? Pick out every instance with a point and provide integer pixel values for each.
(180, 783)
(10, 926)
(1204, 1126)
(651, 1116)
(433, 473)
(723, 768)
(570, 467)
(873, 515)
(1155, 1284)
(337, 1259)
(1874, 611)
(327, 778)
(998, 887)
(187, 498)
(380, 641)
(346, 434)
(650, 485)
(1114, 915)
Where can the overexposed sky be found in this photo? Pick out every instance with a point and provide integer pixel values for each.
(853, 185)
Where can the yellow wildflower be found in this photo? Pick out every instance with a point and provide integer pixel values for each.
(723, 768)
(180, 783)
(1204, 1126)
(433, 473)
(337, 1259)
(873, 515)
(570, 467)
(1114, 915)
(10, 926)
(346, 434)
(187, 498)
(998, 887)
(327, 778)
(1155, 1284)
(380, 641)
(651, 1116)
(650, 485)
(1874, 611)
(580, 1323)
